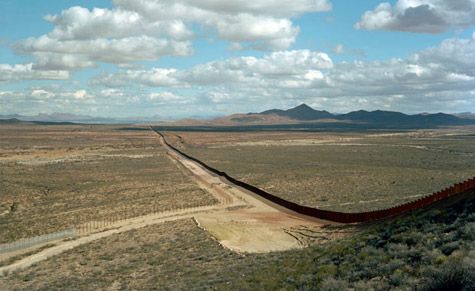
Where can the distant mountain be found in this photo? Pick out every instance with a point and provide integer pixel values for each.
(235, 120)
(54, 117)
(75, 118)
(373, 116)
(390, 117)
(301, 112)
(305, 113)
(439, 118)
(294, 115)
(300, 117)
(10, 121)
(467, 115)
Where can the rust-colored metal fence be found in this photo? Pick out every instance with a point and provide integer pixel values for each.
(342, 217)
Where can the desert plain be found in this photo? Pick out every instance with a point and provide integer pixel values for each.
(54, 177)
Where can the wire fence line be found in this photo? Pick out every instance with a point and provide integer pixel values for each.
(37, 240)
(92, 226)
(124, 216)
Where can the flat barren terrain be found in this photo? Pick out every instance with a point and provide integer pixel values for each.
(57, 176)
(356, 171)
(201, 249)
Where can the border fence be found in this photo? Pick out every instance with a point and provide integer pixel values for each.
(96, 225)
(335, 216)
(36, 240)
(342, 217)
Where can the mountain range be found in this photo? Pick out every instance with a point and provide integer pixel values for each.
(304, 117)
(301, 112)
(296, 117)
(304, 112)
(73, 118)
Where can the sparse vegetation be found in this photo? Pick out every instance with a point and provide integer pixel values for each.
(385, 256)
(173, 255)
(431, 249)
(343, 172)
(405, 254)
(54, 177)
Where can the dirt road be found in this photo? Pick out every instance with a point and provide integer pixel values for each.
(258, 226)
(241, 221)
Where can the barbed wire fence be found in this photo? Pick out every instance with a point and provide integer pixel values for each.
(36, 240)
(94, 225)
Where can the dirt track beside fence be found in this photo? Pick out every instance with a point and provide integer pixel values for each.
(246, 219)
(241, 221)
(335, 216)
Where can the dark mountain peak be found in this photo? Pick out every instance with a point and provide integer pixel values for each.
(384, 118)
(359, 111)
(301, 112)
(302, 106)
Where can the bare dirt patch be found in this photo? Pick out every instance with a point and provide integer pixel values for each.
(173, 255)
(259, 227)
(340, 171)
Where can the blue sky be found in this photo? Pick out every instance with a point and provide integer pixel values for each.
(174, 59)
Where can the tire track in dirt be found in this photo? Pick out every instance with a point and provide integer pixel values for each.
(259, 225)
(450, 193)
(241, 221)
(245, 220)
(123, 226)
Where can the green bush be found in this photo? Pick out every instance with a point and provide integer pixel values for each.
(452, 277)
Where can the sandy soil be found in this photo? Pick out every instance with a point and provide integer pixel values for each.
(261, 226)
(241, 221)
(120, 227)
(58, 177)
(339, 171)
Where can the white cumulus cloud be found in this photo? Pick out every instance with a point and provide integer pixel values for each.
(422, 16)
(433, 78)
(18, 72)
(166, 97)
(142, 30)
(298, 65)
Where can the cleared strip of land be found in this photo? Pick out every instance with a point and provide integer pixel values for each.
(240, 221)
(347, 171)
